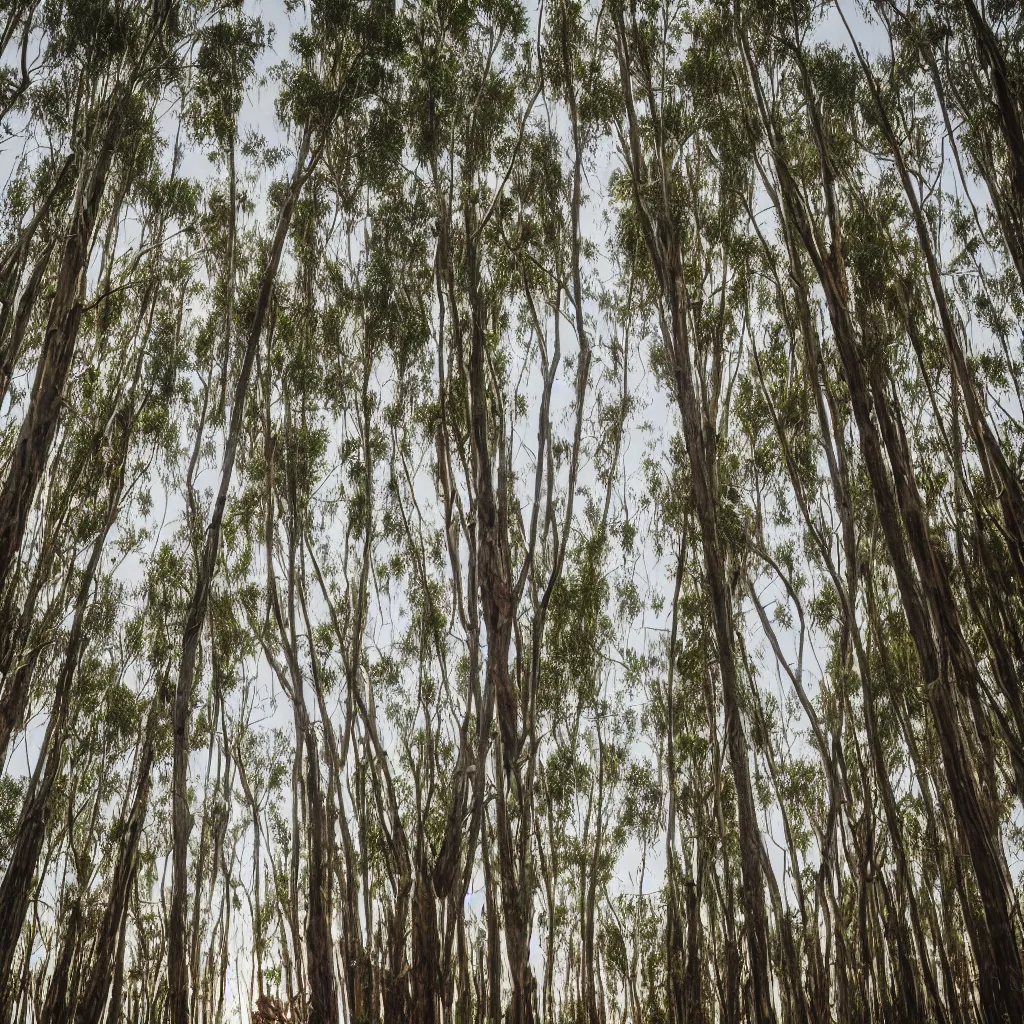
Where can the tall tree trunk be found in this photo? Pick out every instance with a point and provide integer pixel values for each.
(17, 885)
(35, 437)
(109, 940)
(177, 967)
(931, 600)
(663, 246)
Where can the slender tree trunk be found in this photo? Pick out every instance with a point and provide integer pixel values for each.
(663, 246)
(109, 941)
(177, 980)
(32, 446)
(18, 881)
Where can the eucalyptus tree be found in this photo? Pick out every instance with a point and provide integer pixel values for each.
(339, 55)
(697, 359)
(97, 456)
(119, 59)
(114, 434)
(929, 595)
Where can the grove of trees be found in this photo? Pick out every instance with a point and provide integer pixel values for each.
(511, 512)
